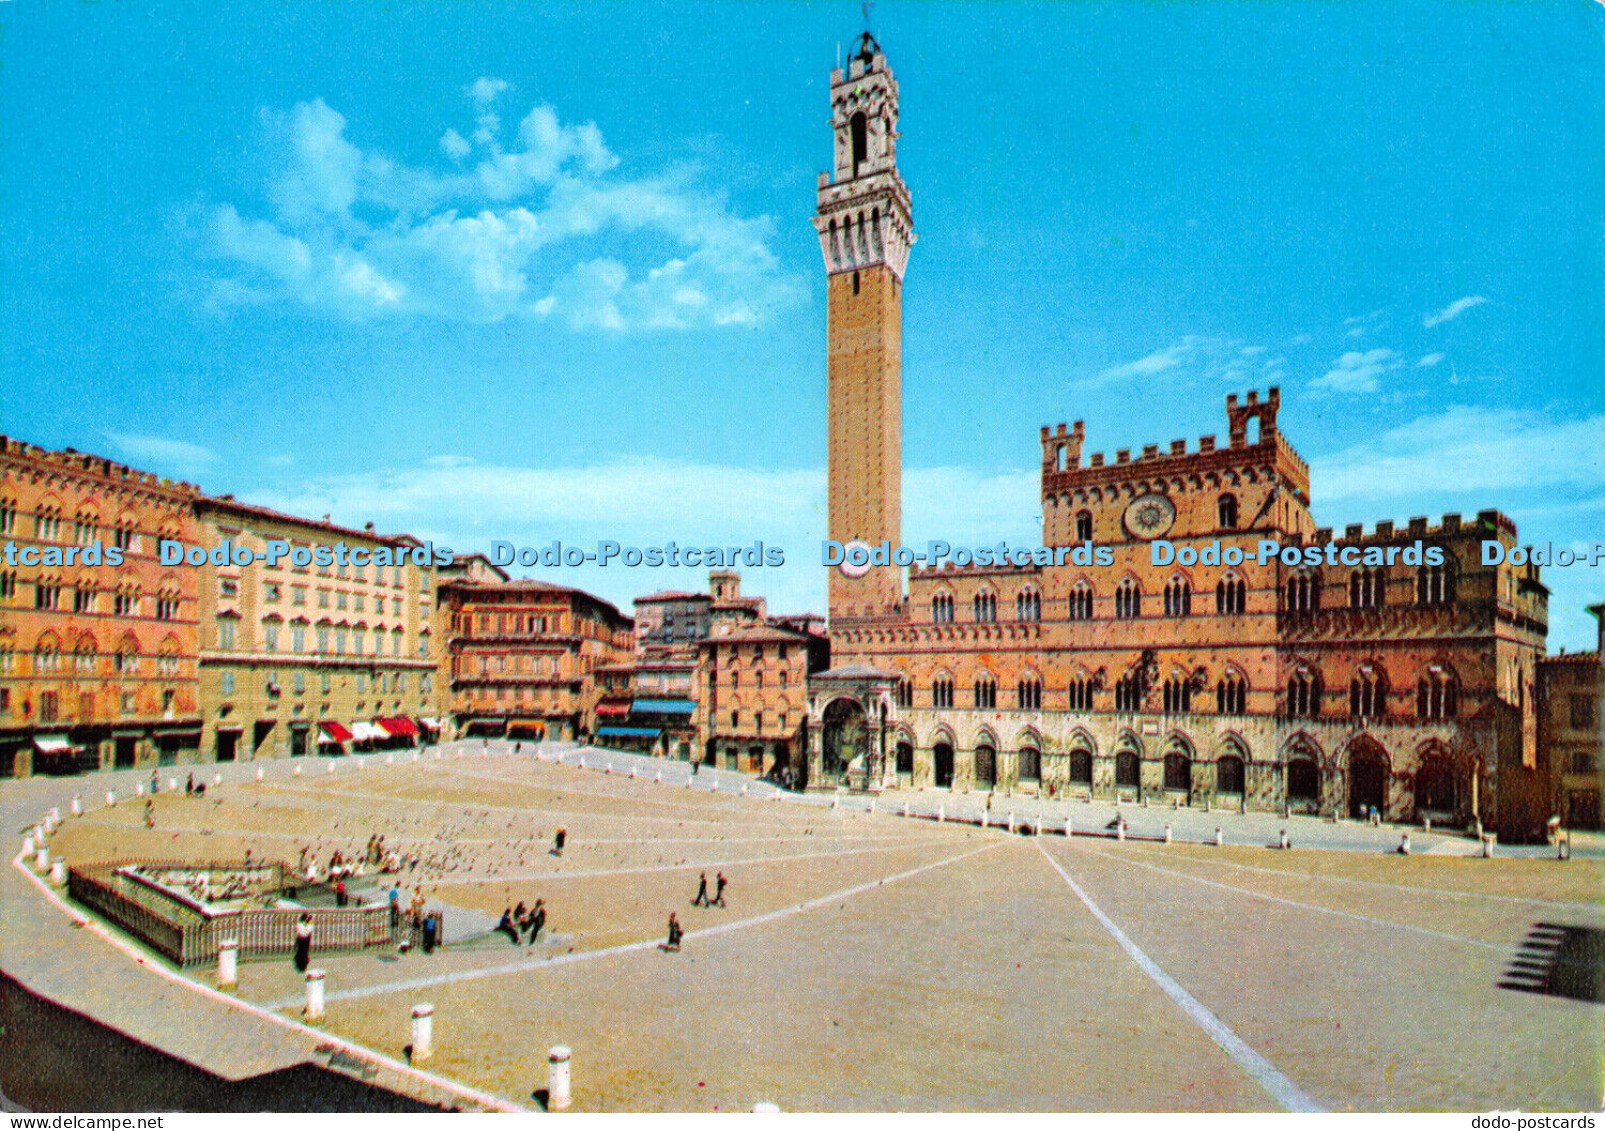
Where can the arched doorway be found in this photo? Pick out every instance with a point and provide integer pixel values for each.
(1178, 772)
(1303, 782)
(1436, 791)
(846, 738)
(1229, 775)
(1128, 770)
(905, 758)
(1081, 766)
(986, 767)
(942, 756)
(1368, 779)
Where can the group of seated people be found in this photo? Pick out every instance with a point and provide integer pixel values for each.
(517, 921)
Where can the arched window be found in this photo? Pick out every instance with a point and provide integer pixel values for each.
(986, 765)
(1178, 694)
(1435, 585)
(1128, 693)
(1030, 764)
(1084, 526)
(942, 608)
(1231, 694)
(1028, 693)
(1366, 589)
(1128, 769)
(903, 694)
(1437, 694)
(1226, 512)
(1229, 774)
(860, 132)
(1304, 592)
(1368, 693)
(1081, 601)
(985, 606)
(1231, 596)
(1304, 694)
(1081, 766)
(986, 693)
(1178, 597)
(1128, 599)
(1081, 689)
(1028, 605)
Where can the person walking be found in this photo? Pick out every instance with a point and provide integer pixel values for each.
(303, 942)
(702, 892)
(559, 841)
(718, 891)
(537, 921)
(674, 933)
(150, 814)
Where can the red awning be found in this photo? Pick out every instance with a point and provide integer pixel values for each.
(335, 731)
(612, 707)
(398, 727)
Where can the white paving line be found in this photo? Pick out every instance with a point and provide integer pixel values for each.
(624, 948)
(1389, 923)
(1447, 892)
(156, 966)
(1266, 1074)
(689, 866)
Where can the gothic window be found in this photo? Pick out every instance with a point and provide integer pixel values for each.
(1178, 694)
(1304, 592)
(1304, 694)
(1231, 596)
(1084, 526)
(904, 692)
(942, 608)
(1435, 585)
(1128, 693)
(1226, 512)
(1028, 694)
(1366, 589)
(1081, 694)
(1028, 606)
(1178, 598)
(1368, 693)
(942, 691)
(1128, 599)
(985, 606)
(1231, 694)
(860, 131)
(1081, 601)
(1437, 694)
(986, 693)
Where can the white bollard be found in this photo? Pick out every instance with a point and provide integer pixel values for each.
(50, 824)
(111, 799)
(833, 802)
(558, 1085)
(1283, 841)
(437, 755)
(1069, 826)
(1167, 832)
(331, 768)
(296, 770)
(610, 767)
(362, 764)
(423, 1031)
(905, 808)
(1219, 839)
(58, 872)
(658, 777)
(1426, 824)
(217, 779)
(744, 793)
(1488, 846)
(390, 759)
(582, 761)
(172, 785)
(632, 773)
(41, 861)
(765, 1108)
(77, 805)
(228, 964)
(1120, 830)
(314, 1007)
(55, 814)
(1404, 844)
(27, 845)
(415, 755)
(139, 789)
(716, 785)
(259, 774)
(941, 813)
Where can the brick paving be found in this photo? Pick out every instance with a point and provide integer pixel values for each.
(864, 960)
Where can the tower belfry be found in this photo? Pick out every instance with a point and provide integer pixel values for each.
(865, 223)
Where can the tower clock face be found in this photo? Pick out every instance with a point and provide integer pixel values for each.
(1150, 516)
(851, 569)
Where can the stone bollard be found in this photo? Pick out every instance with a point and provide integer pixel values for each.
(1488, 845)
(437, 755)
(715, 786)
(582, 761)
(55, 814)
(111, 799)
(423, 1031)
(77, 805)
(362, 763)
(905, 808)
(1120, 830)
(296, 770)
(872, 806)
(1011, 820)
(49, 824)
(941, 813)
(1404, 844)
(1069, 827)
(765, 1109)
(259, 774)
(316, 980)
(415, 755)
(58, 872)
(1219, 838)
(330, 768)
(41, 861)
(632, 773)
(217, 779)
(558, 1084)
(390, 759)
(228, 964)
(27, 845)
(172, 785)
(657, 778)
(744, 792)
(139, 789)
(1167, 832)
(1283, 841)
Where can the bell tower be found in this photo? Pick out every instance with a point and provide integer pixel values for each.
(865, 223)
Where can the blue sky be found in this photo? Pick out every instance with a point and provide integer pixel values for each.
(527, 272)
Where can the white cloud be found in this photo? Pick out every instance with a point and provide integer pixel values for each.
(1356, 372)
(1454, 310)
(1429, 361)
(1465, 450)
(159, 451)
(1155, 363)
(494, 233)
(1251, 351)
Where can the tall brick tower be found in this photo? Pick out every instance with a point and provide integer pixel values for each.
(866, 226)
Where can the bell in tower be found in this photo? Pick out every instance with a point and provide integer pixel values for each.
(865, 223)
